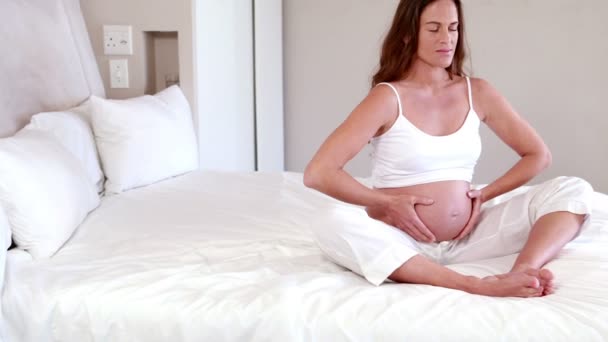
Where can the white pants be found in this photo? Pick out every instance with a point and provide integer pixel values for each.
(375, 250)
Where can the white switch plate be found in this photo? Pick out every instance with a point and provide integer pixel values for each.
(119, 73)
(117, 40)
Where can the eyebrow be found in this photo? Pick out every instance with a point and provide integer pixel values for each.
(438, 23)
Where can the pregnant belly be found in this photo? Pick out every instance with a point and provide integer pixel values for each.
(449, 213)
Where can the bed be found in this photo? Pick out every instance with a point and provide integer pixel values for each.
(219, 256)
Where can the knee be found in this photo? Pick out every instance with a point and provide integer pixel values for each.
(575, 184)
(571, 194)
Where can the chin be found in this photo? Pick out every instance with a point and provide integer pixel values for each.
(443, 64)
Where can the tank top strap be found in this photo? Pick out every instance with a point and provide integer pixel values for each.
(396, 94)
(470, 93)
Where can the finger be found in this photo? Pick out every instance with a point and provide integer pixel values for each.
(468, 228)
(477, 202)
(470, 225)
(422, 200)
(416, 234)
(412, 232)
(423, 230)
(418, 225)
(476, 209)
(464, 232)
(472, 193)
(475, 213)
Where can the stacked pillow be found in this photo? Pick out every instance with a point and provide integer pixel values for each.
(44, 191)
(72, 129)
(144, 139)
(53, 170)
(5, 243)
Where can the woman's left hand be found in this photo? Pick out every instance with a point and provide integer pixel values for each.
(476, 198)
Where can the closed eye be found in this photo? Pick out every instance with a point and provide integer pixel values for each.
(451, 30)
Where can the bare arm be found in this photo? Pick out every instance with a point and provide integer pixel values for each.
(325, 171)
(514, 131)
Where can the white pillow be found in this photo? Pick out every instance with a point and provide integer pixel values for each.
(144, 139)
(74, 132)
(44, 191)
(5, 233)
(5, 243)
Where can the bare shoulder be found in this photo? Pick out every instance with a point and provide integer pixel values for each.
(481, 86)
(381, 103)
(383, 97)
(485, 97)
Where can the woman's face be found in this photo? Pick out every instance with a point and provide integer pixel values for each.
(438, 34)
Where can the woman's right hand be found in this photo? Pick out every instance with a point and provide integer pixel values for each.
(401, 212)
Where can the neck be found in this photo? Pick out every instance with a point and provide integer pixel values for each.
(427, 75)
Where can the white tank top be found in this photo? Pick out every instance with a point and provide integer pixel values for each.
(405, 155)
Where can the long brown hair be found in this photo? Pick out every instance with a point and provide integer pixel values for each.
(401, 43)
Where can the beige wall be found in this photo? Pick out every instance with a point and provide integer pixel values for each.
(216, 69)
(548, 57)
(142, 15)
(166, 60)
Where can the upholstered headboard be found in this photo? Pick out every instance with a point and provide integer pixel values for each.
(46, 60)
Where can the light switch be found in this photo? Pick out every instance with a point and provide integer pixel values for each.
(117, 40)
(119, 73)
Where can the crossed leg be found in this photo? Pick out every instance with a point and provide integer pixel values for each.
(537, 224)
(547, 237)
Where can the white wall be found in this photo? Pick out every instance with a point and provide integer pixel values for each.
(224, 50)
(269, 109)
(548, 57)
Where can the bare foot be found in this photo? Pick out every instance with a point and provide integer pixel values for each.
(544, 275)
(514, 284)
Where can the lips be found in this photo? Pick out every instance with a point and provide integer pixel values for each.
(444, 51)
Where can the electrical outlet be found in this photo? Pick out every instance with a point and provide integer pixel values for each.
(119, 73)
(117, 40)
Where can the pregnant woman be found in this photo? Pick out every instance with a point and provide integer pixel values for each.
(422, 118)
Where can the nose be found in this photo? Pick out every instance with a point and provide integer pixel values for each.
(444, 36)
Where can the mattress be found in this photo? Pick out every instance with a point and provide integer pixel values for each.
(211, 256)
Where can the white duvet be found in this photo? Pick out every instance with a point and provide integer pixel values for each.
(229, 257)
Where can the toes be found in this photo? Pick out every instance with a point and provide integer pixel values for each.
(548, 291)
(546, 277)
(546, 274)
(532, 282)
(530, 292)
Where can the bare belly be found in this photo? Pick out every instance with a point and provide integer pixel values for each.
(447, 216)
